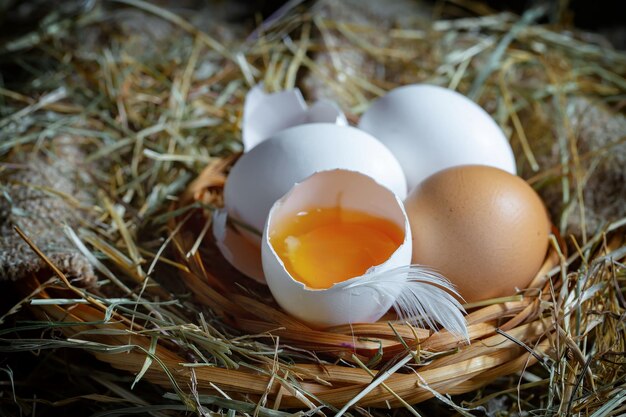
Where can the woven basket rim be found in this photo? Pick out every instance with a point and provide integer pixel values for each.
(496, 348)
(505, 336)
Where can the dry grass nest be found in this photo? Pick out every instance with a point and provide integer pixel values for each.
(160, 129)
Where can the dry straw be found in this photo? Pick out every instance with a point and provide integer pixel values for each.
(162, 131)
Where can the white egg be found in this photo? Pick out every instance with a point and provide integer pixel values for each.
(346, 301)
(430, 128)
(269, 170)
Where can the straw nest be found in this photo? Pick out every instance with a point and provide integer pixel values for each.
(168, 310)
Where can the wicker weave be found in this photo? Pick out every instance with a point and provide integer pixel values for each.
(505, 337)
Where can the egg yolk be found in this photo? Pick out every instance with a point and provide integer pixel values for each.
(323, 246)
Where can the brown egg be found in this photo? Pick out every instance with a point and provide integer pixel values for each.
(483, 228)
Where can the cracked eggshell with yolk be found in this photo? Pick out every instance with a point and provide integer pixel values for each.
(338, 304)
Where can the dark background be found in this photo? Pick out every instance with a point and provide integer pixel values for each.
(607, 17)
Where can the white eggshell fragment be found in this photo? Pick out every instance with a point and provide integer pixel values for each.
(266, 114)
(269, 170)
(238, 250)
(337, 304)
(430, 128)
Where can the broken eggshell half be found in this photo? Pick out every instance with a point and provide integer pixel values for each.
(268, 171)
(343, 302)
(266, 114)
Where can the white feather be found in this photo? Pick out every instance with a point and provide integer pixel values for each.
(423, 297)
